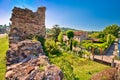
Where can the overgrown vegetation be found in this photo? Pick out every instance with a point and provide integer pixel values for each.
(76, 68)
(104, 39)
(3, 48)
(72, 62)
(51, 47)
(70, 35)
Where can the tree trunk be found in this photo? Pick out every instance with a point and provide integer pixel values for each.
(71, 44)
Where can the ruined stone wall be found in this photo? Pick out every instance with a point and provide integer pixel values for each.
(26, 23)
(25, 59)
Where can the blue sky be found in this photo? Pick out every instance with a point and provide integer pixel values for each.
(79, 14)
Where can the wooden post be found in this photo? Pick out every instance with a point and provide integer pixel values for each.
(101, 53)
(112, 64)
(93, 53)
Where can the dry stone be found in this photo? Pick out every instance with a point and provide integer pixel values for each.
(24, 50)
(25, 58)
(34, 69)
(26, 23)
(109, 74)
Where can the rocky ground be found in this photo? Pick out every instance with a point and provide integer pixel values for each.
(109, 74)
(26, 61)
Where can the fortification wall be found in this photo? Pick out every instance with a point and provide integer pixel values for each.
(25, 59)
(26, 23)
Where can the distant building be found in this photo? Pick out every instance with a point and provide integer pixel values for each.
(78, 35)
(2, 30)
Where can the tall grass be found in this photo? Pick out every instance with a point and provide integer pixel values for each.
(76, 68)
(3, 49)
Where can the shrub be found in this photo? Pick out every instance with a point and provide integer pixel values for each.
(67, 48)
(51, 47)
(80, 53)
(75, 43)
(60, 37)
(41, 39)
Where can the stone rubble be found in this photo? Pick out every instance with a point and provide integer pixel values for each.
(108, 74)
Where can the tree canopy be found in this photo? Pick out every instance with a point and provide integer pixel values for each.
(113, 29)
(70, 34)
(55, 32)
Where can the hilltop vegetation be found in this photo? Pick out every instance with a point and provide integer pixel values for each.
(63, 29)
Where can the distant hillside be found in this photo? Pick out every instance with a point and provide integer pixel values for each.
(63, 29)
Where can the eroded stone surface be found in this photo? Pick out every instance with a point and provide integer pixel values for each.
(26, 23)
(109, 74)
(35, 69)
(25, 58)
(23, 51)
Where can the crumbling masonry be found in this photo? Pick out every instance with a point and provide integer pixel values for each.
(26, 23)
(25, 58)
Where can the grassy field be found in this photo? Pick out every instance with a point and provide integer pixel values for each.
(76, 68)
(73, 67)
(3, 48)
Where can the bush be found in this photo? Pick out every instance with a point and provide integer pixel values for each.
(67, 48)
(75, 43)
(41, 39)
(80, 53)
(51, 47)
(96, 51)
(55, 50)
(60, 37)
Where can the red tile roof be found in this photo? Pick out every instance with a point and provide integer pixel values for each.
(79, 33)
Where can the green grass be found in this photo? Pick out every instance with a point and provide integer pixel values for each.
(76, 68)
(73, 67)
(3, 48)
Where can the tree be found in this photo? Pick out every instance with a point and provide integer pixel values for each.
(113, 29)
(70, 35)
(110, 38)
(60, 37)
(55, 32)
(97, 35)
